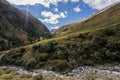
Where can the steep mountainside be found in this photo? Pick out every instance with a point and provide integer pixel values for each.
(18, 27)
(95, 41)
(103, 18)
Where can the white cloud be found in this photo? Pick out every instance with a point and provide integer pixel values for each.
(45, 3)
(77, 9)
(62, 15)
(100, 4)
(65, 12)
(52, 18)
(55, 27)
(75, 0)
(56, 10)
(65, 1)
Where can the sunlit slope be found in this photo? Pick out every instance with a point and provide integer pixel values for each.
(97, 45)
(101, 19)
(63, 53)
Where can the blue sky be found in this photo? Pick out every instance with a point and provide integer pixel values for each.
(55, 13)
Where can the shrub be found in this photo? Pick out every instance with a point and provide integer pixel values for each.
(38, 77)
(83, 36)
(21, 50)
(50, 46)
(42, 57)
(30, 63)
(70, 45)
(108, 32)
(99, 40)
(114, 43)
(60, 65)
(35, 47)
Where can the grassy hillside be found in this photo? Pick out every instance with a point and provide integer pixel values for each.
(98, 43)
(91, 48)
(18, 27)
(99, 20)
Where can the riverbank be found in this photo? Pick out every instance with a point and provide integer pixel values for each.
(101, 72)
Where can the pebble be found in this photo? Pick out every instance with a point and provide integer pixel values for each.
(80, 73)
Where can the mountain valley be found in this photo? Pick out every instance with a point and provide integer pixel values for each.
(92, 42)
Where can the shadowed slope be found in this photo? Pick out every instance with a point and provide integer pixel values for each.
(18, 27)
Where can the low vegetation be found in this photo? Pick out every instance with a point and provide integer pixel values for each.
(15, 32)
(96, 41)
(99, 20)
(91, 48)
(11, 74)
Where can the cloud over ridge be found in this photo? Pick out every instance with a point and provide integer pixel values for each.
(100, 4)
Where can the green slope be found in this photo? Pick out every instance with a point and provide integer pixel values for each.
(100, 20)
(18, 27)
(92, 46)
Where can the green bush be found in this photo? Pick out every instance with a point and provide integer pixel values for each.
(42, 57)
(100, 40)
(21, 50)
(60, 65)
(108, 32)
(38, 77)
(114, 43)
(30, 63)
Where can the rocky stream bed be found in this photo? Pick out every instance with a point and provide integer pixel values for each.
(101, 72)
